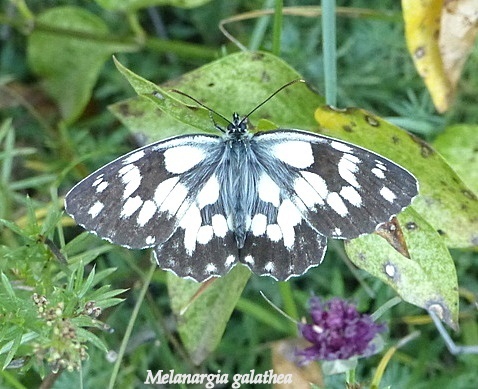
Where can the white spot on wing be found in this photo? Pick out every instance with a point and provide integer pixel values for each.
(249, 259)
(219, 225)
(101, 187)
(98, 180)
(209, 192)
(340, 146)
(306, 193)
(273, 232)
(131, 177)
(174, 200)
(351, 195)
(269, 267)
(133, 157)
(378, 172)
(268, 190)
(131, 206)
(337, 204)
(205, 234)
(259, 224)
(164, 189)
(150, 240)
(288, 217)
(191, 222)
(347, 168)
(295, 153)
(210, 268)
(319, 186)
(337, 232)
(352, 158)
(380, 165)
(229, 261)
(387, 194)
(95, 209)
(180, 159)
(146, 213)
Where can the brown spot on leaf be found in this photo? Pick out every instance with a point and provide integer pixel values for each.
(395, 139)
(441, 232)
(347, 128)
(265, 77)
(257, 56)
(372, 121)
(420, 52)
(411, 226)
(125, 109)
(425, 148)
(469, 194)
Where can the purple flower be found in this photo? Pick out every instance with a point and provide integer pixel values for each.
(338, 331)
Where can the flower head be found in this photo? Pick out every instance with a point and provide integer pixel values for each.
(338, 331)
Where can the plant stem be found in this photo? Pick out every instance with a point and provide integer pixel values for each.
(329, 51)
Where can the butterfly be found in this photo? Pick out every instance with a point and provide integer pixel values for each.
(268, 200)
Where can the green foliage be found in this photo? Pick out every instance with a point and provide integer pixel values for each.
(60, 288)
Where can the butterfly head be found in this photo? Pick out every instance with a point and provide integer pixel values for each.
(238, 125)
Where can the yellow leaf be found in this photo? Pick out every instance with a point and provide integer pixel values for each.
(422, 29)
(440, 36)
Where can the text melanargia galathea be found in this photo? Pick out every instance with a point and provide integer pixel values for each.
(268, 200)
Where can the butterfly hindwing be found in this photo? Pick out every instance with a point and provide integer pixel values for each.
(280, 242)
(202, 246)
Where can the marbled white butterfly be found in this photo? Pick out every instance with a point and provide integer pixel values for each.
(268, 200)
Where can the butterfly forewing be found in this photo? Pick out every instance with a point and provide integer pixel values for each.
(342, 190)
(138, 200)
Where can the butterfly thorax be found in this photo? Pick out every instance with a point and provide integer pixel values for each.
(238, 179)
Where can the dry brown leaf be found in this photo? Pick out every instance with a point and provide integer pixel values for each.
(283, 363)
(459, 25)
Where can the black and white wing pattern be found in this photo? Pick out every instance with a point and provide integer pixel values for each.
(267, 200)
(342, 190)
(141, 198)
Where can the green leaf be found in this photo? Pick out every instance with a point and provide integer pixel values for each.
(446, 203)
(427, 279)
(235, 83)
(131, 5)
(68, 49)
(7, 286)
(16, 342)
(458, 144)
(202, 324)
(164, 99)
(88, 336)
(86, 284)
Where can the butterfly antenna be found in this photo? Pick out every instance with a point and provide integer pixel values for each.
(272, 95)
(210, 110)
